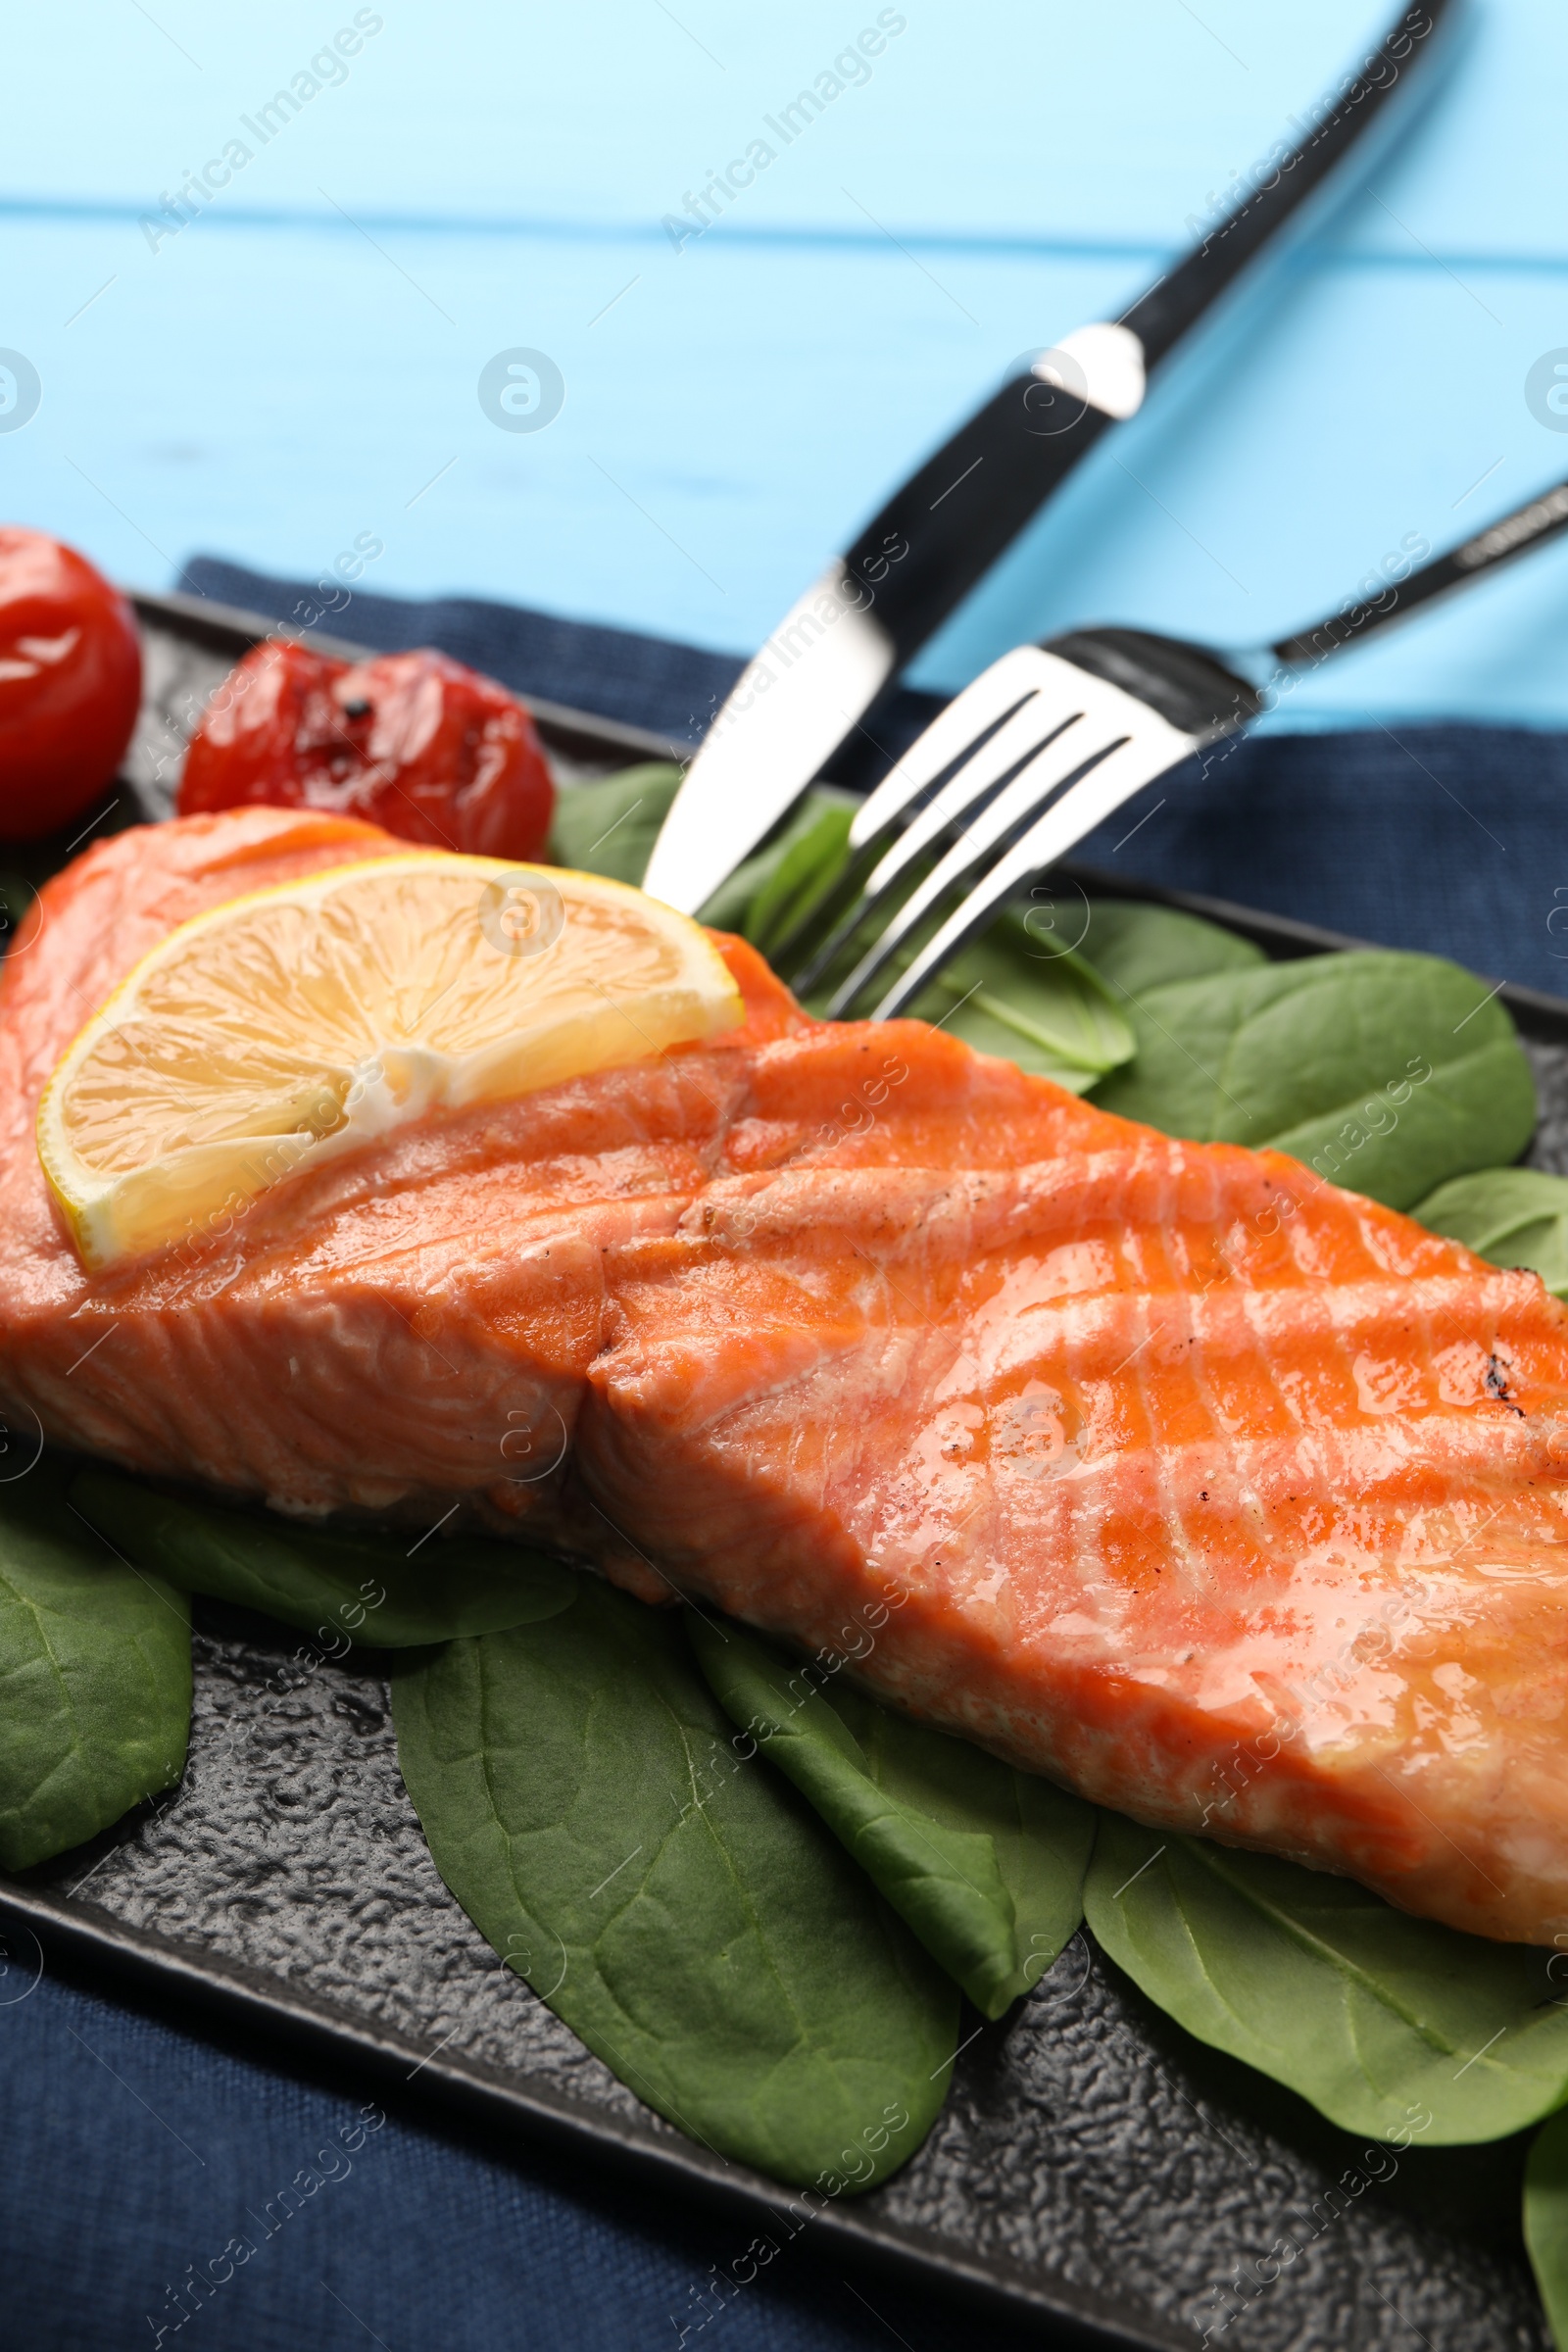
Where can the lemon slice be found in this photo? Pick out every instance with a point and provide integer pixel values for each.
(310, 1017)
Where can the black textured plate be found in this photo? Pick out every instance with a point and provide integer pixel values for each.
(1093, 2163)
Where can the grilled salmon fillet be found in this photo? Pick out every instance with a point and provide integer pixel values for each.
(1224, 1496)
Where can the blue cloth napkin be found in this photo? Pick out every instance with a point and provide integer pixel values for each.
(1448, 838)
(138, 2149)
(138, 2144)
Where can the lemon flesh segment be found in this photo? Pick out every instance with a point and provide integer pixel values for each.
(308, 1019)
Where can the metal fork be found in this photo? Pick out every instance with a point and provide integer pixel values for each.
(1049, 741)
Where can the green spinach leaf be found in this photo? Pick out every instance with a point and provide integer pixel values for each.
(1515, 1216)
(374, 1588)
(779, 886)
(94, 1676)
(1041, 1835)
(1545, 2220)
(984, 1863)
(671, 1896)
(1048, 1012)
(1387, 2023)
(1385, 1072)
(1138, 947)
(943, 1882)
(610, 827)
(1045, 1009)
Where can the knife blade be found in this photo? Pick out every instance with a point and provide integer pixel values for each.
(840, 644)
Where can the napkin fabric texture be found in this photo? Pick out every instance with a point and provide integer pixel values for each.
(140, 2140)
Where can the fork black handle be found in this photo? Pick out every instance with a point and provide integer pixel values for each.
(1540, 518)
(964, 505)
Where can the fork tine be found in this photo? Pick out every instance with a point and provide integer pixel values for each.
(986, 711)
(830, 924)
(1105, 716)
(1070, 752)
(1034, 724)
(1126, 769)
(858, 895)
(989, 698)
(1063, 694)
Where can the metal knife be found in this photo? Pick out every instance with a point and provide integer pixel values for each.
(872, 610)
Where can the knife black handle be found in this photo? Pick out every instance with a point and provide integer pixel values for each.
(1175, 302)
(1540, 518)
(943, 529)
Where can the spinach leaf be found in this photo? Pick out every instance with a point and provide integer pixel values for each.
(1387, 2023)
(985, 1864)
(610, 827)
(1050, 1013)
(779, 885)
(1137, 947)
(1041, 1835)
(1045, 1009)
(1387, 1072)
(94, 1676)
(1515, 1216)
(944, 1882)
(373, 1586)
(671, 1896)
(1545, 2220)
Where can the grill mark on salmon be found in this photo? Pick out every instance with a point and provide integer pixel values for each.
(1140, 1456)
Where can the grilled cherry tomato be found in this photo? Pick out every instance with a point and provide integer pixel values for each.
(413, 742)
(69, 683)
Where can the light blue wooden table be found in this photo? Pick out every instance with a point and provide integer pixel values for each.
(297, 365)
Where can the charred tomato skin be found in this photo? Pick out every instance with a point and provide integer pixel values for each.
(70, 682)
(413, 742)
